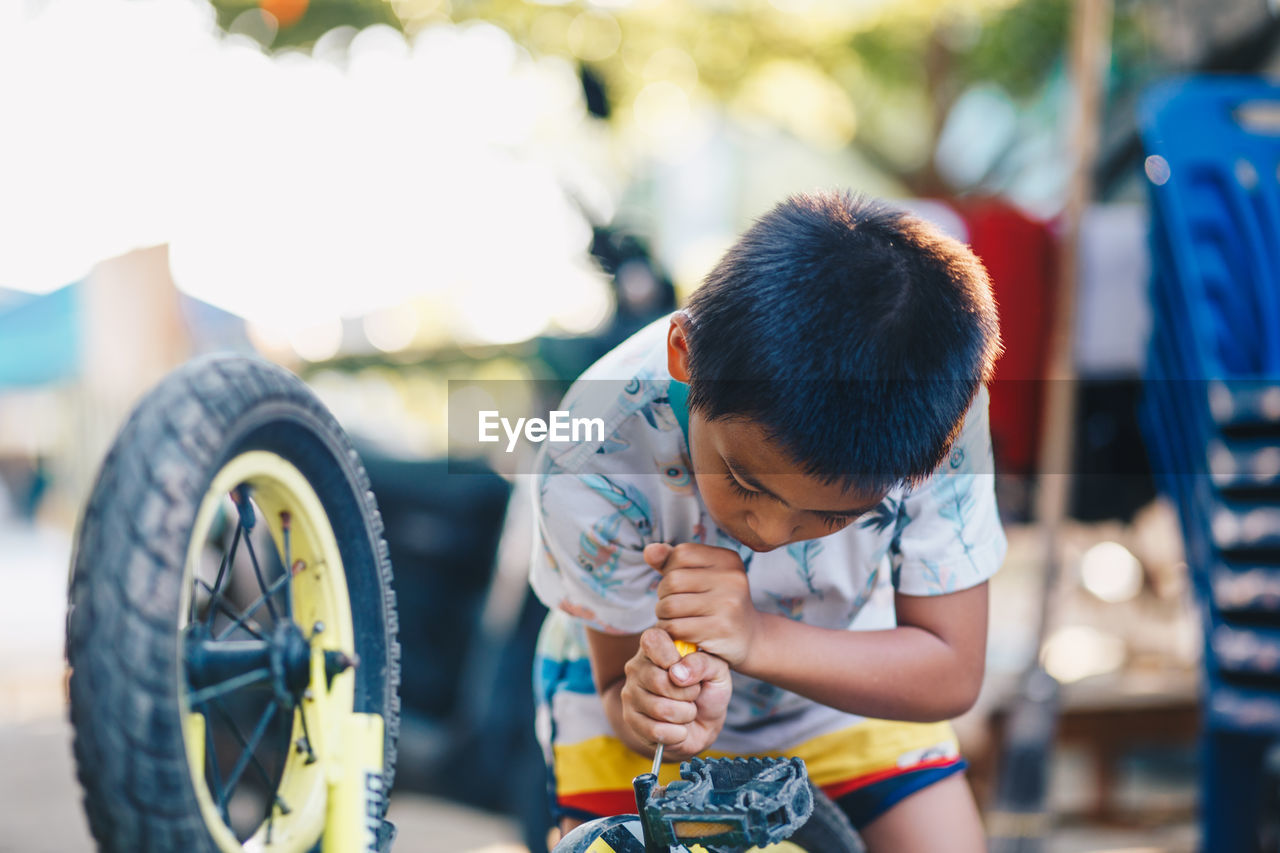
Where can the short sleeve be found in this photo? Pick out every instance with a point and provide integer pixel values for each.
(589, 534)
(949, 535)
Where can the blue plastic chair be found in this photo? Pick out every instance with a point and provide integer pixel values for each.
(1211, 407)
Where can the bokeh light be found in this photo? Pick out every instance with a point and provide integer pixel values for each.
(594, 36)
(1111, 572)
(317, 341)
(1080, 651)
(1157, 169)
(391, 329)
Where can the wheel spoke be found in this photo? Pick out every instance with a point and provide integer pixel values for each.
(229, 686)
(253, 761)
(253, 608)
(243, 762)
(248, 520)
(286, 527)
(212, 754)
(238, 621)
(228, 559)
(262, 584)
(306, 735)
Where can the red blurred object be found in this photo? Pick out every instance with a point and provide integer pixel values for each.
(1020, 254)
(286, 12)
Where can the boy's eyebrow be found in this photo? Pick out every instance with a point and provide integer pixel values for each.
(738, 471)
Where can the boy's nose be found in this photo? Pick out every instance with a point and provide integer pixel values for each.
(774, 529)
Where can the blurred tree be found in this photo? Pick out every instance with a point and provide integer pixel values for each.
(286, 12)
(881, 77)
(298, 23)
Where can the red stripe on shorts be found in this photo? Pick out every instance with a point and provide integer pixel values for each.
(839, 789)
(603, 803)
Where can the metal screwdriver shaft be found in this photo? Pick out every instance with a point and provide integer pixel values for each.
(685, 649)
(657, 760)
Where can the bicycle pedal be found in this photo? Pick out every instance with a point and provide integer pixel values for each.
(726, 803)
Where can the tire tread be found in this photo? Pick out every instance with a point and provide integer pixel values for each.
(121, 637)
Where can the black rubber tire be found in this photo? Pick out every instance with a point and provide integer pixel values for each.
(122, 638)
(828, 829)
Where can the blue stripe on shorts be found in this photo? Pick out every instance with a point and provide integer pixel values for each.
(864, 805)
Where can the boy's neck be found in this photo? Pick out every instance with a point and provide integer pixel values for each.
(678, 394)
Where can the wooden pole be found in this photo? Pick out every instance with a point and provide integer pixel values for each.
(1090, 61)
(1018, 820)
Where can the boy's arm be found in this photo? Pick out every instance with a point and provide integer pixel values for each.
(651, 695)
(928, 668)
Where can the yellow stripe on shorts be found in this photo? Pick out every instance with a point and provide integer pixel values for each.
(604, 763)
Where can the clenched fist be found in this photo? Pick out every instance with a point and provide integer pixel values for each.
(677, 702)
(703, 598)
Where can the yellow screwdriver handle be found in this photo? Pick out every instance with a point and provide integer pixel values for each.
(685, 649)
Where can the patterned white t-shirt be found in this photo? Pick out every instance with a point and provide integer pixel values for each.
(598, 503)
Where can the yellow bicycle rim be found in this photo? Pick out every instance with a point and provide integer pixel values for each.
(322, 610)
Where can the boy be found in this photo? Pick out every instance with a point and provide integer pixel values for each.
(795, 477)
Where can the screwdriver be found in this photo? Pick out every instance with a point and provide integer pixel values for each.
(685, 649)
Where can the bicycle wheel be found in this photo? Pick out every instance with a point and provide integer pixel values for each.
(232, 627)
(827, 829)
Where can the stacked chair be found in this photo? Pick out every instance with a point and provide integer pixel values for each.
(1211, 416)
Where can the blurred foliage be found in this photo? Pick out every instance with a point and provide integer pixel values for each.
(880, 77)
(314, 18)
(1018, 49)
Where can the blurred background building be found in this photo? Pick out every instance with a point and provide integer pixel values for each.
(392, 197)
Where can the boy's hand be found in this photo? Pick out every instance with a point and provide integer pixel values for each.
(704, 598)
(675, 702)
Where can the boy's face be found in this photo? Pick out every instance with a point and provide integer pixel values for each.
(757, 495)
(752, 489)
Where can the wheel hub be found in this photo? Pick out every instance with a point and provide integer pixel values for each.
(282, 661)
(290, 663)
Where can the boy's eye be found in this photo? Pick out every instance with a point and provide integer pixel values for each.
(739, 489)
(832, 522)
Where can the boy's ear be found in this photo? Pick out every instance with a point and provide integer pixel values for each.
(678, 347)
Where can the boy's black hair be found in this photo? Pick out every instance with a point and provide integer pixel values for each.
(855, 334)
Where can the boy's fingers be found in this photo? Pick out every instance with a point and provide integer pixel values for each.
(656, 719)
(690, 625)
(656, 554)
(664, 557)
(655, 680)
(699, 667)
(677, 580)
(666, 733)
(683, 605)
(663, 710)
(659, 648)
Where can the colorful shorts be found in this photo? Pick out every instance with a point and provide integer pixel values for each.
(866, 769)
